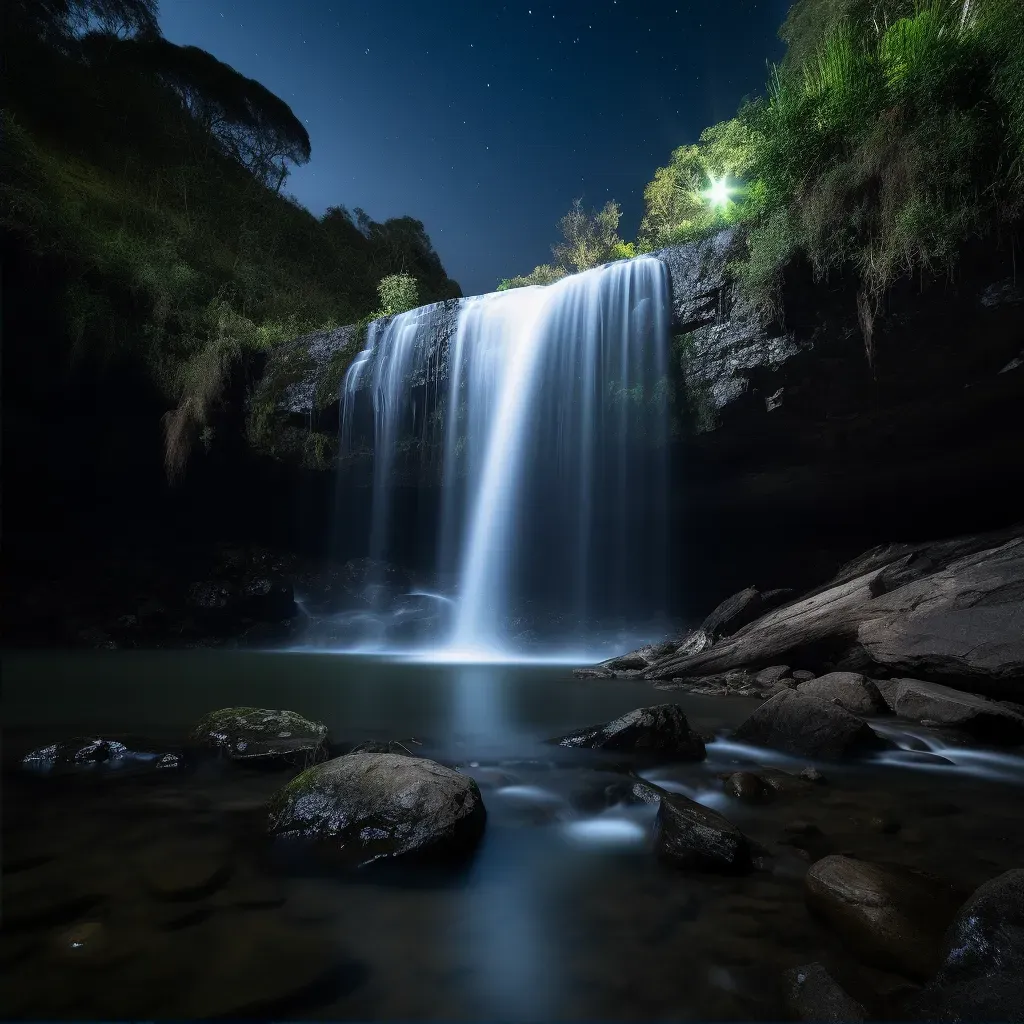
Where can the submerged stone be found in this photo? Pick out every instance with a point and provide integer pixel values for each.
(97, 755)
(890, 916)
(247, 734)
(662, 729)
(811, 994)
(363, 807)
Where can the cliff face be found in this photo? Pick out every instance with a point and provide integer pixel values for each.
(794, 452)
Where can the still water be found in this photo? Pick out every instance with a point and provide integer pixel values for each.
(563, 913)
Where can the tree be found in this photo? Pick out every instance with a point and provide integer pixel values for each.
(398, 294)
(58, 22)
(244, 118)
(589, 238)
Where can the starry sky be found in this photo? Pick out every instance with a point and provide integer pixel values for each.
(486, 119)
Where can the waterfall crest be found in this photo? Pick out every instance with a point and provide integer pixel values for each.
(553, 446)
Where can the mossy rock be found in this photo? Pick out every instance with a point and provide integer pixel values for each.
(248, 734)
(365, 807)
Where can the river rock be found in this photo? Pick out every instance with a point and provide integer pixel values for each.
(252, 734)
(97, 755)
(806, 726)
(983, 718)
(690, 835)
(771, 675)
(890, 916)
(741, 609)
(850, 690)
(661, 729)
(748, 787)
(364, 807)
(982, 972)
(811, 994)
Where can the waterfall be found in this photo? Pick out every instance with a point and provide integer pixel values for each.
(553, 454)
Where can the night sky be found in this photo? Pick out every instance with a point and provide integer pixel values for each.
(485, 120)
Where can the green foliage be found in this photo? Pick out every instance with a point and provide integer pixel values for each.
(544, 274)
(886, 143)
(589, 238)
(677, 208)
(398, 294)
(139, 171)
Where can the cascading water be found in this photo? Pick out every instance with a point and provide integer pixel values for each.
(554, 475)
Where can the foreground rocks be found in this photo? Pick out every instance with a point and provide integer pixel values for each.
(982, 971)
(662, 729)
(691, 835)
(255, 734)
(979, 717)
(363, 807)
(889, 916)
(850, 690)
(811, 994)
(807, 727)
(96, 755)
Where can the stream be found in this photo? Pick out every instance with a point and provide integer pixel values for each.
(562, 914)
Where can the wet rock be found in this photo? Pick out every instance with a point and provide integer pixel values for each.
(748, 787)
(741, 609)
(771, 675)
(690, 835)
(811, 994)
(185, 870)
(890, 916)
(593, 673)
(982, 718)
(982, 972)
(661, 729)
(810, 774)
(363, 807)
(407, 746)
(802, 675)
(248, 734)
(96, 755)
(806, 726)
(627, 662)
(887, 689)
(850, 690)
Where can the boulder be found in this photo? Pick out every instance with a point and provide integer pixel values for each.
(741, 609)
(748, 787)
(253, 734)
(982, 718)
(807, 727)
(771, 675)
(363, 807)
(97, 755)
(982, 973)
(690, 835)
(811, 994)
(803, 675)
(850, 690)
(890, 916)
(952, 611)
(661, 729)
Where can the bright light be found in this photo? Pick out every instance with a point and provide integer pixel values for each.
(718, 194)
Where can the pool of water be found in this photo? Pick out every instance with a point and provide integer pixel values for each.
(562, 914)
